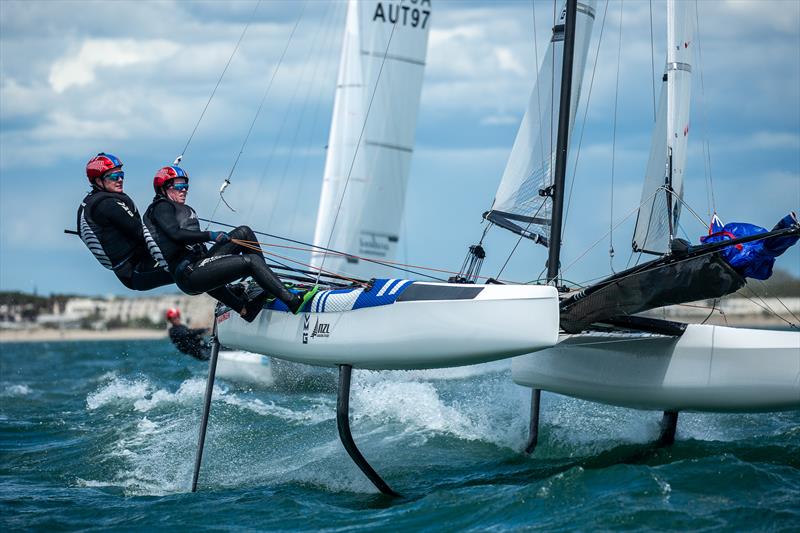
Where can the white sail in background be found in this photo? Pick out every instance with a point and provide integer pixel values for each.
(364, 184)
(670, 136)
(518, 206)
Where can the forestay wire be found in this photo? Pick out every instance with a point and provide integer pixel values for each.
(241, 37)
(227, 180)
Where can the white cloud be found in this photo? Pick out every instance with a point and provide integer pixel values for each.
(80, 69)
(501, 119)
(506, 61)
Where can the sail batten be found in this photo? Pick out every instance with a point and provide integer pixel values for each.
(523, 191)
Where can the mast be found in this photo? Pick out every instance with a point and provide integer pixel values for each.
(662, 190)
(562, 143)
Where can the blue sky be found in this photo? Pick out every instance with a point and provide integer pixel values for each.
(131, 78)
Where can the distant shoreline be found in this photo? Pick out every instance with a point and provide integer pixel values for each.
(63, 335)
(58, 335)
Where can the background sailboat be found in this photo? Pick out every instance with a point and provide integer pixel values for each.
(674, 367)
(389, 323)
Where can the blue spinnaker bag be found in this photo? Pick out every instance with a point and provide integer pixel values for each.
(753, 259)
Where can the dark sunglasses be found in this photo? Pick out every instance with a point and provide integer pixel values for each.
(115, 176)
(180, 187)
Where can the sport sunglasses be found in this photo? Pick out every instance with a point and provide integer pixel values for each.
(115, 176)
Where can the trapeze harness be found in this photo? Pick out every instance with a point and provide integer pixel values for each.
(175, 229)
(110, 226)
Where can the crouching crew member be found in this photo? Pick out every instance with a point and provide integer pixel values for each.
(110, 226)
(190, 341)
(196, 269)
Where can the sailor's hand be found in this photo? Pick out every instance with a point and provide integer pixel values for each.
(220, 237)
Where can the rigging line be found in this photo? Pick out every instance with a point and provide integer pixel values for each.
(764, 288)
(536, 70)
(313, 246)
(274, 148)
(765, 307)
(540, 280)
(614, 148)
(583, 125)
(630, 258)
(626, 217)
(391, 264)
(260, 105)
(254, 247)
(314, 120)
(710, 313)
(304, 108)
(358, 144)
(652, 62)
(686, 205)
(519, 240)
(706, 144)
(249, 20)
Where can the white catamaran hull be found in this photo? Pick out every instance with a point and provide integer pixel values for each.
(708, 368)
(496, 322)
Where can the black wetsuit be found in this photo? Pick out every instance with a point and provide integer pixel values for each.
(110, 226)
(190, 341)
(176, 230)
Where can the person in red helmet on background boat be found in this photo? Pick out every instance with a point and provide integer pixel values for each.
(175, 229)
(190, 341)
(110, 226)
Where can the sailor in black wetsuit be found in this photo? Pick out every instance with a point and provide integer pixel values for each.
(176, 230)
(190, 341)
(110, 226)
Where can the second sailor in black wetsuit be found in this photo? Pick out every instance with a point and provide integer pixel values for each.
(190, 341)
(110, 226)
(176, 230)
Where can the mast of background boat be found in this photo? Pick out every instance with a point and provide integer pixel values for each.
(562, 144)
(671, 60)
(657, 224)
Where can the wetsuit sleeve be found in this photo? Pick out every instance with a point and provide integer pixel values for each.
(164, 218)
(199, 331)
(113, 212)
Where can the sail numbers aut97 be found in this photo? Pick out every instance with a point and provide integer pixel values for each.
(403, 14)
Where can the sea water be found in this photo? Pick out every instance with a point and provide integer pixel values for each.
(102, 435)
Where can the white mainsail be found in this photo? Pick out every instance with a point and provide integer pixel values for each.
(531, 164)
(364, 184)
(670, 137)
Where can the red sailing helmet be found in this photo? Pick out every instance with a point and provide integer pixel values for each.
(100, 164)
(173, 312)
(166, 174)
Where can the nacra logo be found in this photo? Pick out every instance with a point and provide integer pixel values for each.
(321, 330)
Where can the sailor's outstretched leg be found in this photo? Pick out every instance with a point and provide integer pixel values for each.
(533, 431)
(212, 371)
(669, 424)
(343, 423)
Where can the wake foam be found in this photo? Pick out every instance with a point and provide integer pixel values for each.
(16, 390)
